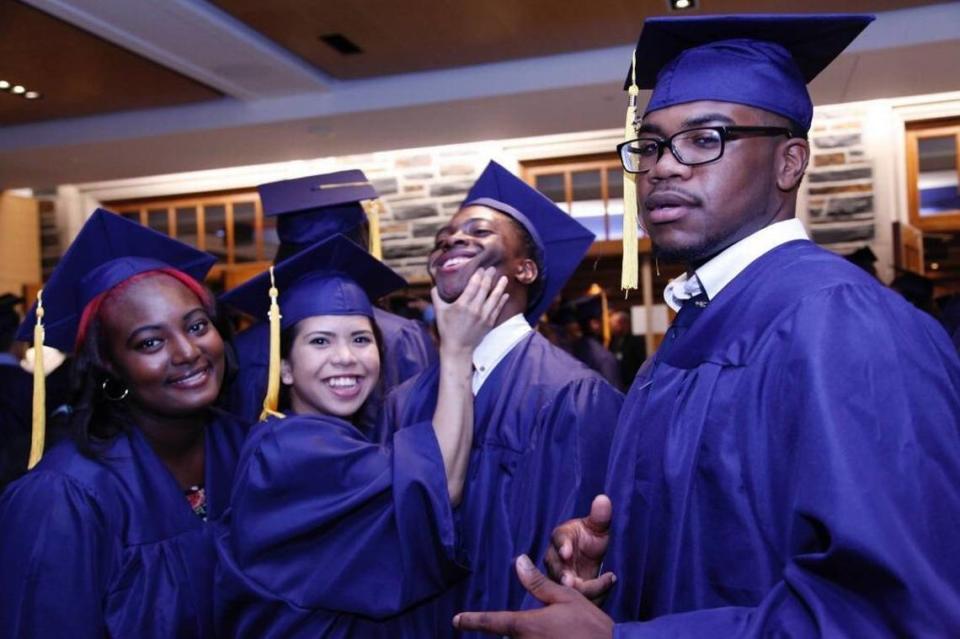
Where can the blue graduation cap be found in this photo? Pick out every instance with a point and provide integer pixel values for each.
(332, 277)
(108, 250)
(560, 240)
(763, 61)
(313, 208)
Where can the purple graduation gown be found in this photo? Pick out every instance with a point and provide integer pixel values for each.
(543, 423)
(792, 467)
(407, 350)
(328, 534)
(111, 547)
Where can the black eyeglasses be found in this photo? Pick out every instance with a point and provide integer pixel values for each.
(690, 147)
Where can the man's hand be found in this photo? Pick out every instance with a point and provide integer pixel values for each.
(567, 613)
(577, 548)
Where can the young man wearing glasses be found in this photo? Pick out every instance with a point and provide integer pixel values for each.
(787, 463)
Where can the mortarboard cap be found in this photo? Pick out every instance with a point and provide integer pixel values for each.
(108, 250)
(311, 209)
(561, 241)
(332, 277)
(763, 61)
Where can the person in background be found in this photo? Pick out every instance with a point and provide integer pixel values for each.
(309, 210)
(313, 492)
(629, 349)
(108, 536)
(542, 420)
(582, 324)
(16, 401)
(865, 258)
(788, 462)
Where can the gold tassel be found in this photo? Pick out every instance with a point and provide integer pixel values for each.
(373, 209)
(39, 389)
(630, 271)
(596, 289)
(272, 398)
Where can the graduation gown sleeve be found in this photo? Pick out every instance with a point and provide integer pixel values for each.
(56, 552)
(324, 519)
(854, 470)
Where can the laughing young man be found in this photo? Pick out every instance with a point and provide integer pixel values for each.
(543, 421)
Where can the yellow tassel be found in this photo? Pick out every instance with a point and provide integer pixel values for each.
(596, 289)
(39, 389)
(272, 398)
(630, 271)
(373, 209)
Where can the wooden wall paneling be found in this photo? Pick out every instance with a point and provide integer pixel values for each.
(19, 243)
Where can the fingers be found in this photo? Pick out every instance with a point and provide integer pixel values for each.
(601, 513)
(501, 623)
(435, 296)
(495, 301)
(472, 288)
(537, 583)
(595, 588)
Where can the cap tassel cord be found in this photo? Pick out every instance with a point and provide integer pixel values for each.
(272, 399)
(39, 389)
(605, 318)
(630, 271)
(373, 209)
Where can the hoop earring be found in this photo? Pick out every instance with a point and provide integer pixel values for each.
(116, 397)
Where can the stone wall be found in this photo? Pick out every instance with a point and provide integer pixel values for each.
(421, 189)
(839, 186)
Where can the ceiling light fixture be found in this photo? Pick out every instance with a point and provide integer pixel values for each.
(681, 5)
(19, 89)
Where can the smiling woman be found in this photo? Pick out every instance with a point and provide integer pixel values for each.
(108, 535)
(315, 489)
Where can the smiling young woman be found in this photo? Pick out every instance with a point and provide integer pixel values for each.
(108, 535)
(315, 489)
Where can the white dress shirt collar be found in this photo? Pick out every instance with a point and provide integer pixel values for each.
(494, 347)
(713, 276)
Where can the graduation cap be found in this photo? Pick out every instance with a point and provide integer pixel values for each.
(560, 240)
(108, 250)
(332, 277)
(313, 208)
(762, 61)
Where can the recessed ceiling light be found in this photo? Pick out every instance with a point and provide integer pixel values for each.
(4, 85)
(18, 89)
(31, 95)
(681, 5)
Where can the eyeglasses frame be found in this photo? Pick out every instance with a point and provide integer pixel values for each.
(726, 133)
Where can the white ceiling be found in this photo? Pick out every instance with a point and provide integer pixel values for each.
(278, 108)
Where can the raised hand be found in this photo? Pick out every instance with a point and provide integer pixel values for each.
(463, 322)
(577, 548)
(567, 613)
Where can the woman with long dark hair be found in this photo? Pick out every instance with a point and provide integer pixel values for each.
(329, 532)
(108, 535)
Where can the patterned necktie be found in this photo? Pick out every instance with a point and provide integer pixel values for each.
(689, 311)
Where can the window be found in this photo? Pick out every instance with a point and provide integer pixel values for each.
(228, 225)
(590, 189)
(933, 174)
